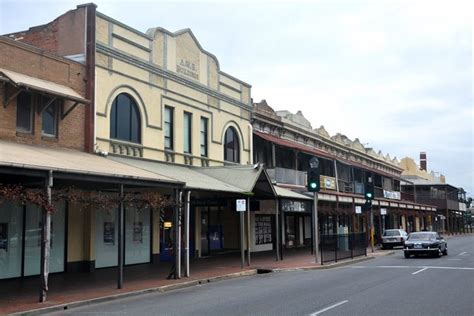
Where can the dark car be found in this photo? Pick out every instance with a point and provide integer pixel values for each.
(425, 243)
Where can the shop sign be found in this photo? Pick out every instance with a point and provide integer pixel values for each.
(383, 211)
(109, 233)
(241, 205)
(393, 195)
(328, 182)
(358, 209)
(294, 206)
(263, 230)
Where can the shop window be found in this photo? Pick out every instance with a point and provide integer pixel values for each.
(187, 126)
(231, 146)
(24, 113)
(125, 121)
(204, 122)
(168, 128)
(49, 119)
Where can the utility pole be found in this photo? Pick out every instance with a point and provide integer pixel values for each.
(369, 196)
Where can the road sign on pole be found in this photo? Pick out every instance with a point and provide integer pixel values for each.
(240, 205)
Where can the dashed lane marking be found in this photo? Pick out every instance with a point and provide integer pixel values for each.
(328, 308)
(414, 267)
(421, 270)
(462, 253)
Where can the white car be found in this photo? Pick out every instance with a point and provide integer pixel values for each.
(393, 237)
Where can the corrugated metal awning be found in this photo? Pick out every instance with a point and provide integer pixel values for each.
(288, 194)
(49, 87)
(72, 162)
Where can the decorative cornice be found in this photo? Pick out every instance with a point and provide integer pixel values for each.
(146, 65)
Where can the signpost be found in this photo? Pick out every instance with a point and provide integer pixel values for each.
(241, 206)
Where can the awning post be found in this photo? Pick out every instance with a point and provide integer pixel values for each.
(277, 232)
(120, 239)
(248, 231)
(45, 241)
(186, 233)
(177, 231)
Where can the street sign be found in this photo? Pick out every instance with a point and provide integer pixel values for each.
(241, 205)
(383, 211)
(358, 209)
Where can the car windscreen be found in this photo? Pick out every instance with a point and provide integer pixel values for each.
(391, 233)
(421, 237)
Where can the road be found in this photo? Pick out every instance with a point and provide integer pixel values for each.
(390, 285)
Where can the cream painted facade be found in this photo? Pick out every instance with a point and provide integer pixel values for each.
(159, 69)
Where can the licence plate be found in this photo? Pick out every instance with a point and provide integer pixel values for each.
(418, 246)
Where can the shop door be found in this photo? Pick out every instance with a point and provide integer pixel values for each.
(211, 230)
(292, 232)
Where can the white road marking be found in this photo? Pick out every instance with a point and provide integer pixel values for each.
(455, 259)
(462, 253)
(421, 270)
(328, 308)
(416, 267)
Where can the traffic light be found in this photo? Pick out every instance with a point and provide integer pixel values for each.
(313, 181)
(367, 205)
(369, 191)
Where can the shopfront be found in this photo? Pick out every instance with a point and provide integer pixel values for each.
(297, 223)
(20, 239)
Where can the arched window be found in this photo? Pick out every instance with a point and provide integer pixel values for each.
(125, 119)
(231, 146)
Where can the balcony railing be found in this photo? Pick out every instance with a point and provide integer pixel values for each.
(407, 197)
(287, 176)
(346, 186)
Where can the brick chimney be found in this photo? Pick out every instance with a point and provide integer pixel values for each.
(423, 161)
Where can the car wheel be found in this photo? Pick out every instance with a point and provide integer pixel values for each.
(445, 252)
(407, 255)
(439, 253)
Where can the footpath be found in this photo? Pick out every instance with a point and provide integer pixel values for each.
(69, 290)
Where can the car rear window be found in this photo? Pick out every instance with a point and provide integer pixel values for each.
(421, 237)
(391, 233)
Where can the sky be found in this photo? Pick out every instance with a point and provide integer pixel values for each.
(395, 74)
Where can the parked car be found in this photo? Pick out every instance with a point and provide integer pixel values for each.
(425, 243)
(393, 237)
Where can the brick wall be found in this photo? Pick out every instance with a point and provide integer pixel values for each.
(37, 63)
(64, 36)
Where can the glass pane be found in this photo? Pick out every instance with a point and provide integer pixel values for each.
(106, 246)
(137, 236)
(49, 120)
(33, 227)
(187, 132)
(23, 112)
(123, 117)
(11, 231)
(113, 120)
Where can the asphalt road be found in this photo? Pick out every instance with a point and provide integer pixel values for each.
(390, 285)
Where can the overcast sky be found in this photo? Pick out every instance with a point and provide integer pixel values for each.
(395, 74)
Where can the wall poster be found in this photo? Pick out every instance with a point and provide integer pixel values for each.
(4, 236)
(137, 232)
(109, 233)
(263, 229)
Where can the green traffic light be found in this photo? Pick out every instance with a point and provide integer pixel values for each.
(313, 185)
(369, 195)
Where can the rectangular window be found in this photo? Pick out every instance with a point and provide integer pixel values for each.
(187, 126)
(168, 128)
(24, 113)
(203, 137)
(49, 120)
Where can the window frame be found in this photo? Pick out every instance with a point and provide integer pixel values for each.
(31, 114)
(55, 106)
(133, 110)
(203, 136)
(170, 126)
(235, 149)
(187, 119)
